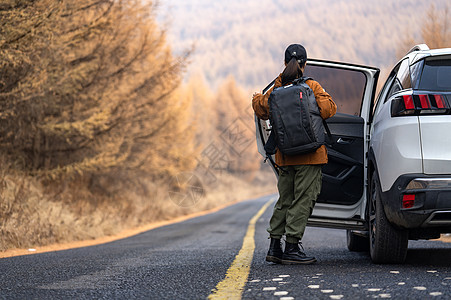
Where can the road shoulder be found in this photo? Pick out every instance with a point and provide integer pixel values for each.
(107, 239)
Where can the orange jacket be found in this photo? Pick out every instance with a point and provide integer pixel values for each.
(327, 108)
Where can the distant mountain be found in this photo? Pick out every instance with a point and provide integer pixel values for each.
(247, 38)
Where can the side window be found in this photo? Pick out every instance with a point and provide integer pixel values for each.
(415, 72)
(402, 79)
(404, 75)
(396, 87)
(347, 87)
(382, 97)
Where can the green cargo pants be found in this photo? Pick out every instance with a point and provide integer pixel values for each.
(299, 187)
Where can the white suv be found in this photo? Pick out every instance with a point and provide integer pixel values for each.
(388, 179)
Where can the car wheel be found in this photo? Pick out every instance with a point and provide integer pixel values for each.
(356, 243)
(387, 243)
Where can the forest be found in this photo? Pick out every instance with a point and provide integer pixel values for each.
(247, 39)
(96, 127)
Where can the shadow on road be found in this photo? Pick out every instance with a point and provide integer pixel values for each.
(428, 256)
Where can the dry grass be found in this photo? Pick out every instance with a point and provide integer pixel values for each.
(33, 215)
(30, 217)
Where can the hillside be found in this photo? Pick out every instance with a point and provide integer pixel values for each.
(246, 39)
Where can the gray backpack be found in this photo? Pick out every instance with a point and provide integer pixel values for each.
(297, 126)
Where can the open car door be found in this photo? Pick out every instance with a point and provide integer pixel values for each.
(342, 202)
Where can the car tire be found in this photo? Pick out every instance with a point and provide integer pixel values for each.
(356, 243)
(388, 244)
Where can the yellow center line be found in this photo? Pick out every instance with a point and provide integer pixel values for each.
(236, 277)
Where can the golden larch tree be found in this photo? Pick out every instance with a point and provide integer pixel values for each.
(87, 87)
(435, 31)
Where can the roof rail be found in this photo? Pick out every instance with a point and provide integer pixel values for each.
(419, 47)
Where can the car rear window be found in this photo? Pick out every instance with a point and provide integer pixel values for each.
(436, 75)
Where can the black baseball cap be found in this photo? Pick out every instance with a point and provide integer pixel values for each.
(297, 51)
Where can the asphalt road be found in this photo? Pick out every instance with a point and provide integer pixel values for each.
(187, 260)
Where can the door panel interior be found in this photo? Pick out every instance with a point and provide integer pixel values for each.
(343, 175)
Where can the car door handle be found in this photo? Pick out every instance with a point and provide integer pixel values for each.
(344, 141)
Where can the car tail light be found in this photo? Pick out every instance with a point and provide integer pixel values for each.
(439, 101)
(408, 200)
(424, 102)
(408, 105)
(402, 106)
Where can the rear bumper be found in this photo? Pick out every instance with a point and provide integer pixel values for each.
(431, 207)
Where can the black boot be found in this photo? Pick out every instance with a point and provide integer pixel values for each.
(275, 251)
(294, 256)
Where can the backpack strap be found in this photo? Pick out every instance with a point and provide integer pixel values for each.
(278, 168)
(303, 79)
